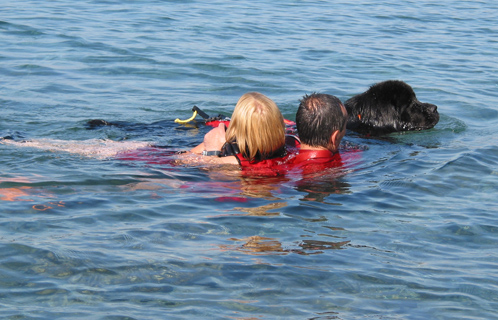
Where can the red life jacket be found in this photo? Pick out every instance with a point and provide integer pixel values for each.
(295, 161)
(272, 166)
(316, 156)
(314, 161)
(300, 162)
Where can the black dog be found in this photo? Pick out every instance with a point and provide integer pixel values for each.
(389, 106)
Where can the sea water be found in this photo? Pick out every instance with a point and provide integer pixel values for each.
(408, 229)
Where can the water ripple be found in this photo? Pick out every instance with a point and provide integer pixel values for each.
(407, 230)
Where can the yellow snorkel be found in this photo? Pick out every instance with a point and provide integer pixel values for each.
(189, 119)
(198, 111)
(210, 121)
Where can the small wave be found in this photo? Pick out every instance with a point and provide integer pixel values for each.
(19, 30)
(94, 148)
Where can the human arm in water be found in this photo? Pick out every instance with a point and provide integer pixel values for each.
(213, 141)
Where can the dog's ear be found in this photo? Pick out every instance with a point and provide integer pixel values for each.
(411, 117)
(356, 115)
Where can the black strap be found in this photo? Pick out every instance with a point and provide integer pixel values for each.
(229, 149)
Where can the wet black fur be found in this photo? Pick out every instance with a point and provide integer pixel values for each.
(389, 106)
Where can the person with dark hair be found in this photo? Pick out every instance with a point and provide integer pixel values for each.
(321, 125)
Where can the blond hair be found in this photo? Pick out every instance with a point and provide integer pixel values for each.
(257, 126)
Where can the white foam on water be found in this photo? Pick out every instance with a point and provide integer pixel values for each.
(94, 148)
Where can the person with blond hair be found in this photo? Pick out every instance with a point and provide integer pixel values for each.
(256, 133)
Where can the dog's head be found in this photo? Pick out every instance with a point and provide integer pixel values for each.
(389, 106)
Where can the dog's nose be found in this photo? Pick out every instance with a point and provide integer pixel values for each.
(432, 108)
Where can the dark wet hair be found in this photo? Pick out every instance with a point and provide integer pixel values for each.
(317, 117)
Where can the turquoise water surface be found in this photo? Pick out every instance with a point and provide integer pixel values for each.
(407, 229)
